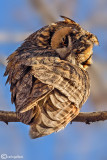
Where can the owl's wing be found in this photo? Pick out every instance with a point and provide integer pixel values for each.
(25, 88)
(63, 76)
(48, 92)
(70, 90)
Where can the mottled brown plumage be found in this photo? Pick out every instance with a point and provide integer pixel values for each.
(48, 77)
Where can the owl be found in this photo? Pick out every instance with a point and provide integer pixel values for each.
(48, 78)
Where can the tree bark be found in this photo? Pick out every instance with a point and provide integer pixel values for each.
(88, 117)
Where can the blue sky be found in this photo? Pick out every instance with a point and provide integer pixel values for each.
(77, 141)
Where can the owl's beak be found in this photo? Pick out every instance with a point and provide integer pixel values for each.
(95, 40)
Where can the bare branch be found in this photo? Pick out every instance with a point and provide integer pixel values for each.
(88, 117)
(12, 37)
(44, 10)
(7, 116)
(91, 117)
(3, 60)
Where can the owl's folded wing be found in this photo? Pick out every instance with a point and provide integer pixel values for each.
(69, 79)
(25, 89)
(70, 90)
(34, 74)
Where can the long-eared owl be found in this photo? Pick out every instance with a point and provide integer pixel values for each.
(48, 78)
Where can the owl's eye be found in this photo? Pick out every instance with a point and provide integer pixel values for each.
(64, 42)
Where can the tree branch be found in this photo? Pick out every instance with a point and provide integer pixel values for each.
(91, 117)
(6, 37)
(88, 117)
(7, 116)
(3, 60)
(44, 10)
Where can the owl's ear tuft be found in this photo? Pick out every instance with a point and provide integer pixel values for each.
(68, 20)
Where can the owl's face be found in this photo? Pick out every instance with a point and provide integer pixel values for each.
(70, 41)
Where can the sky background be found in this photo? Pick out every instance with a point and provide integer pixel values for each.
(78, 140)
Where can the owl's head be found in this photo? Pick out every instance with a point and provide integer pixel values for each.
(73, 43)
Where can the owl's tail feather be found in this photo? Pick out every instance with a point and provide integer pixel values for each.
(40, 130)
